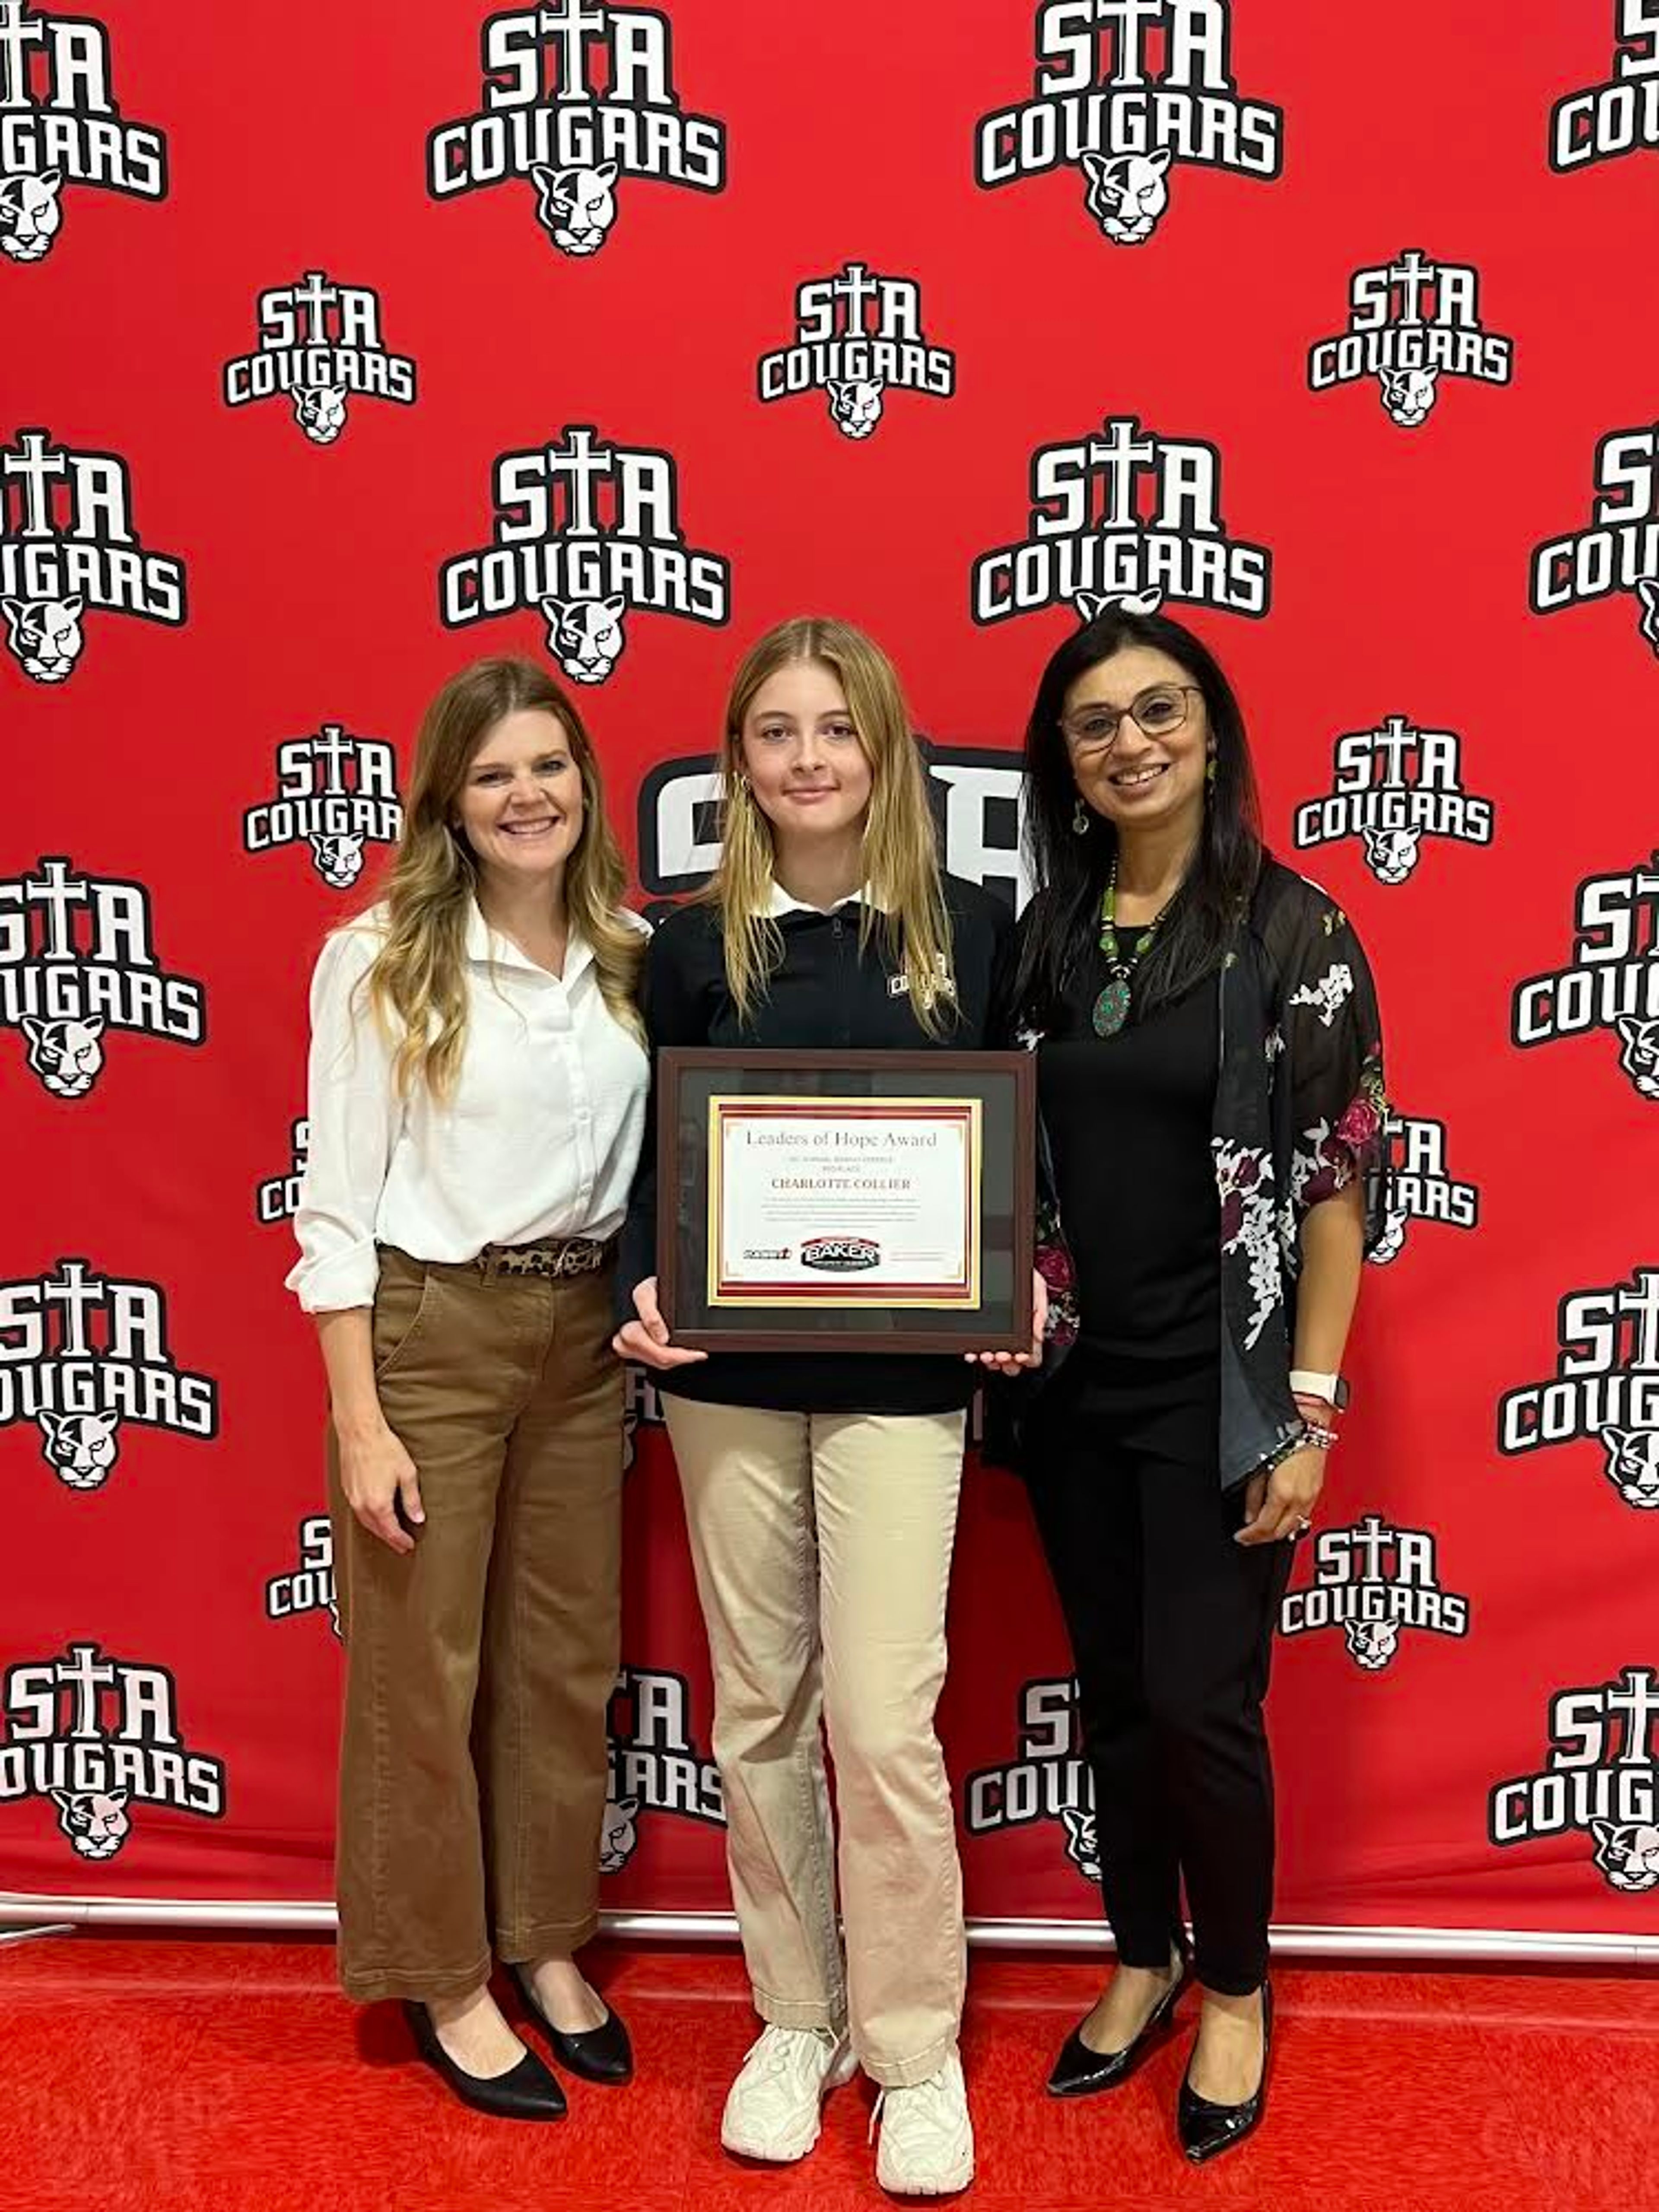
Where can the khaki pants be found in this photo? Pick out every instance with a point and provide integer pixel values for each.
(821, 1543)
(478, 1669)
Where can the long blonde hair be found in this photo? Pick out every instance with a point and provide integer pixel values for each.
(901, 853)
(417, 983)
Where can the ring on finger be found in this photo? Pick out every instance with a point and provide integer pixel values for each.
(1301, 1529)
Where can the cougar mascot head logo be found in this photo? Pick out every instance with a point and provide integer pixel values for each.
(1391, 1239)
(1640, 1058)
(80, 1448)
(321, 412)
(1632, 1466)
(577, 206)
(1373, 1643)
(855, 409)
(95, 1820)
(1089, 606)
(66, 1055)
(1647, 590)
(1082, 1846)
(1127, 193)
(338, 859)
(1392, 854)
(31, 214)
(1408, 394)
(584, 636)
(45, 636)
(617, 1836)
(1628, 1854)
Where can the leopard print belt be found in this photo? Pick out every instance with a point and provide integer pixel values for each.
(554, 1257)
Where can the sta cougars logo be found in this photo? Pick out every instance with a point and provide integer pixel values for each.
(1613, 981)
(95, 1736)
(278, 1199)
(1049, 1778)
(60, 126)
(335, 792)
(1620, 551)
(1606, 120)
(67, 549)
(1392, 787)
(1410, 322)
(1372, 1580)
(308, 1588)
(585, 532)
(858, 336)
(319, 342)
(1129, 515)
(975, 794)
(1606, 1386)
(82, 1352)
(1421, 1187)
(655, 1765)
(77, 960)
(576, 97)
(1124, 89)
(1599, 1781)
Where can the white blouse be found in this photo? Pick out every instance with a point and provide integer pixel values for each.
(539, 1137)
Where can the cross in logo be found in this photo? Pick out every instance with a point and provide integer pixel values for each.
(585, 465)
(1639, 1699)
(571, 26)
(83, 1677)
(17, 33)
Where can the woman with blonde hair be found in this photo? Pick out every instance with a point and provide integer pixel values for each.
(821, 1490)
(477, 1085)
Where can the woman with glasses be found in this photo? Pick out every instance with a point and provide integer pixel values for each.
(1210, 1076)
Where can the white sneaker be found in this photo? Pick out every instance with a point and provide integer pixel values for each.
(926, 2146)
(772, 2108)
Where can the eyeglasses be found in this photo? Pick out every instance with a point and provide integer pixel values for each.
(1158, 712)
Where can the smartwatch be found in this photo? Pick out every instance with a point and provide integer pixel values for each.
(1333, 1388)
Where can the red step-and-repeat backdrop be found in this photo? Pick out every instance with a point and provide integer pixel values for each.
(342, 346)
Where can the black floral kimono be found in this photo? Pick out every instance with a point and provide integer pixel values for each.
(1300, 1111)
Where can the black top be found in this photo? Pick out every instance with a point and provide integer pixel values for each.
(1129, 1119)
(1301, 1111)
(830, 993)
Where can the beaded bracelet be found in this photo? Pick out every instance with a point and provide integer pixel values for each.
(1315, 1434)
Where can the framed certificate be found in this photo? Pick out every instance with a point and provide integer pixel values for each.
(865, 1201)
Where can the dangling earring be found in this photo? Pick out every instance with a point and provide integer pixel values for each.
(1079, 820)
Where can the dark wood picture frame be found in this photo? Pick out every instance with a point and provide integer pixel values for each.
(1006, 1082)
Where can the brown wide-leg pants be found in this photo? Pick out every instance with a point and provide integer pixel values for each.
(478, 1669)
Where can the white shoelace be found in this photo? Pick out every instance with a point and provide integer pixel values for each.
(925, 2104)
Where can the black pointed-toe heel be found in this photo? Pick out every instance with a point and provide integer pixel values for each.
(602, 2054)
(1081, 2072)
(1207, 2129)
(527, 2092)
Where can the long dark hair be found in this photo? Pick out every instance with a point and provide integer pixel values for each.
(1070, 871)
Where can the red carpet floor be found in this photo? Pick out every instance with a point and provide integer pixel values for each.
(230, 2075)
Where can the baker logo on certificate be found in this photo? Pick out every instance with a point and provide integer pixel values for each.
(845, 1200)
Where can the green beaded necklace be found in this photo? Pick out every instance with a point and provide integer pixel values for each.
(1112, 1007)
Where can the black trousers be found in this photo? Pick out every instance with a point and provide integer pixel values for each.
(1170, 1623)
